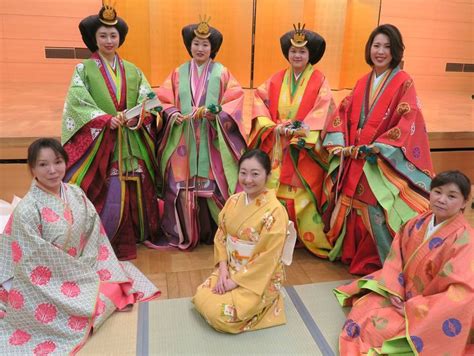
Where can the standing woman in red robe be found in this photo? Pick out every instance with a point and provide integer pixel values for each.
(289, 111)
(380, 166)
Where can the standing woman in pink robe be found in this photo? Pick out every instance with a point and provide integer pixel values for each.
(203, 140)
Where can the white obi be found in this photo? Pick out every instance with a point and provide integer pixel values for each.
(239, 252)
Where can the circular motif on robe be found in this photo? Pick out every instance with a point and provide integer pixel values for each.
(394, 134)
(452, 327)
(418, 342)
(16, 299)
(45, 348)
(401, 279)
(77, 323)
(182, 150)
(457, 292)
(104, 274)
(70, 124)
(360, 189)
(17, 253)
(40, 276)
(403, 108)
(308, 236)
(70, 289)
(410, 166)
(421, 311)
(422, 185)
(80, 67)
(19, 337)
(378, 219)
(45, 313)
(416, 152)
(435, 242)
(352, 328)
(337, 122)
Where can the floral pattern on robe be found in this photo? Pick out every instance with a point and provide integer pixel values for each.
(63, 277)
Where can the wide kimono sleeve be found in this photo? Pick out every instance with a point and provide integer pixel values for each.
(256, 275)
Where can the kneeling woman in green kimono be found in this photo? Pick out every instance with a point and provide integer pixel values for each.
(243, 293)
(59, 277)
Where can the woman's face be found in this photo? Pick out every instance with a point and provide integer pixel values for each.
(107, 39)
(200, 50)
(298, 58)
(446, 201)
(380, 53)
(252, 177)
(49, 169)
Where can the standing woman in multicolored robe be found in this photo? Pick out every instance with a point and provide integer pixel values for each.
(202, 141)
(289, 111)
(421, 301)
(380, 165)
(59, 277)
(111, 159)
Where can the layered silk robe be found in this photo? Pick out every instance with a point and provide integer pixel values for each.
(64, 278)
(116, 168)
(250, 238)
(299, 164)
(434, 277)
(369, 199)
(198, 158)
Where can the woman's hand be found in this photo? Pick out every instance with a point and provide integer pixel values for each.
(178, 118)
(229, 284)
(117, 120)
(219, 288)
(283, 129)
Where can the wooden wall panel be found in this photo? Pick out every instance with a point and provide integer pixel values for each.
(435, 33)
(361, 19)
(27, 27)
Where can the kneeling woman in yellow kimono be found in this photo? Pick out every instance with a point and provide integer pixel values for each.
(243, 293)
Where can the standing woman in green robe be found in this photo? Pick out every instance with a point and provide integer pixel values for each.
(112, 159)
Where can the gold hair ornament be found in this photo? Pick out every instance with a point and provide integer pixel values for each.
(203, 30)
(299, 37)
(107, 14)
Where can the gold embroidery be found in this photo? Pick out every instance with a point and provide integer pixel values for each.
(403, 108)
(394, 134)
(337, 122)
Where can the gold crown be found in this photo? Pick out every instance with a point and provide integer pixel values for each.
(299, 37)
(108, 15)
(203, 30)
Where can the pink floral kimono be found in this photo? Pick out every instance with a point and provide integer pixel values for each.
(59, 277)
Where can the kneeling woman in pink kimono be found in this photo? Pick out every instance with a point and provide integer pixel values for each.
(421, 301)
(243, 293)
(59, 276)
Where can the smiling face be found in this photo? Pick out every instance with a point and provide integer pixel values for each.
(446, 201)
(49, 170)
(200, 50)
(108, 40)
(298, 58)
(252, 177)
(380, 53)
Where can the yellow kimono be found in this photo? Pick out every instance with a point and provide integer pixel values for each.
(250, 238)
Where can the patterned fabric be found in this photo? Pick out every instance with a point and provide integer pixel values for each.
(115, 168)
(299, 163)
(64, 278)
(257, 302)
(433, 276)
(198, 158)
(392, 181)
